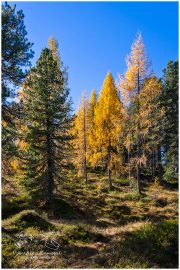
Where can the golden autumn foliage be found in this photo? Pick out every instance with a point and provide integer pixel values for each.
(97, 128)
(130, 85)
(137, 69)
(108, 119)
(151, 113)
(79, 131)
(91, 127)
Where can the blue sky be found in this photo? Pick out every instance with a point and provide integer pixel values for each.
(95, 38)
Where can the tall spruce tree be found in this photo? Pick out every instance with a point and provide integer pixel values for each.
(46, 109)
(16, 54)
(170, 124)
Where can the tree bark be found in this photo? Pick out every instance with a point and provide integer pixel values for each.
(138, 143)
(85, 145)
(129, 170)
(109, 171)
(50, 178)
(160, 168)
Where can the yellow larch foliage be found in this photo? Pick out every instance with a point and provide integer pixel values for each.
(151, 112)
(108, 120)
(91, 127)
(137, 69)
(79, 131)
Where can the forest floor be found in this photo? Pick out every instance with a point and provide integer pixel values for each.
(94, 228)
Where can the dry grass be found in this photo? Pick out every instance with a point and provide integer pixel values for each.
(93, 225)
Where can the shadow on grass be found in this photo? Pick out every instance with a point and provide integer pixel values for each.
(12, 206)
(169, 185)
(63, 209)
(25, 219)
(153, 246)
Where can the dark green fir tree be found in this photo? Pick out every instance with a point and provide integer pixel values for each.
(16, 55)
(47, 117)
(170, 104)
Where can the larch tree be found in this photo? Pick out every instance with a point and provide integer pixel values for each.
(108, 114)
(131, 85)
(80, 133)
(151, 116)
(47, 115)
(91, 127)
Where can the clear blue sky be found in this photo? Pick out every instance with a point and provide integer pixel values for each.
(95, 38)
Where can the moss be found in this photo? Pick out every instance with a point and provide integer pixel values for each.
(81, 234)
(12, 206)
(8, 251)
(25, 219)
(152, 246)
(64, 209)
(156, 244)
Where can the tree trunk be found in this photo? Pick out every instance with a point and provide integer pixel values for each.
(138, 143)
(85, 170)
(109, 171)
(85, 146)
(129, 170)
(160, 169)
(50, 178)
(109, 179)
(138, 180)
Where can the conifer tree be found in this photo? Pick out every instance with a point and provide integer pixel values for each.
(151, 117)
(91, 127)
(54, 47)
(46, 109)
(170, 123)
(16, 54)
(108, 114)
(131, 84)
(80, 133)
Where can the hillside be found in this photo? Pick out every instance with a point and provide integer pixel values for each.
(96, 228)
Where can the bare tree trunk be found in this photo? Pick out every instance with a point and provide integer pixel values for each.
(160, 169)
(129, 169)
(85, 146)
(109, 171)
(138, 143)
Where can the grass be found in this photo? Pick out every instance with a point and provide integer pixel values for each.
(25, 219)
(152, 246)
(95, 228)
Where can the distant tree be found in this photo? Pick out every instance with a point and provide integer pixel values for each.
(108, 113)
(91, 127)
(131, 85)
(80, 133)
(16, 55)
(151, 116)
(170, 105)
(46, 110)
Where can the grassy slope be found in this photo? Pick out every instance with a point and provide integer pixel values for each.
(96, 228)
